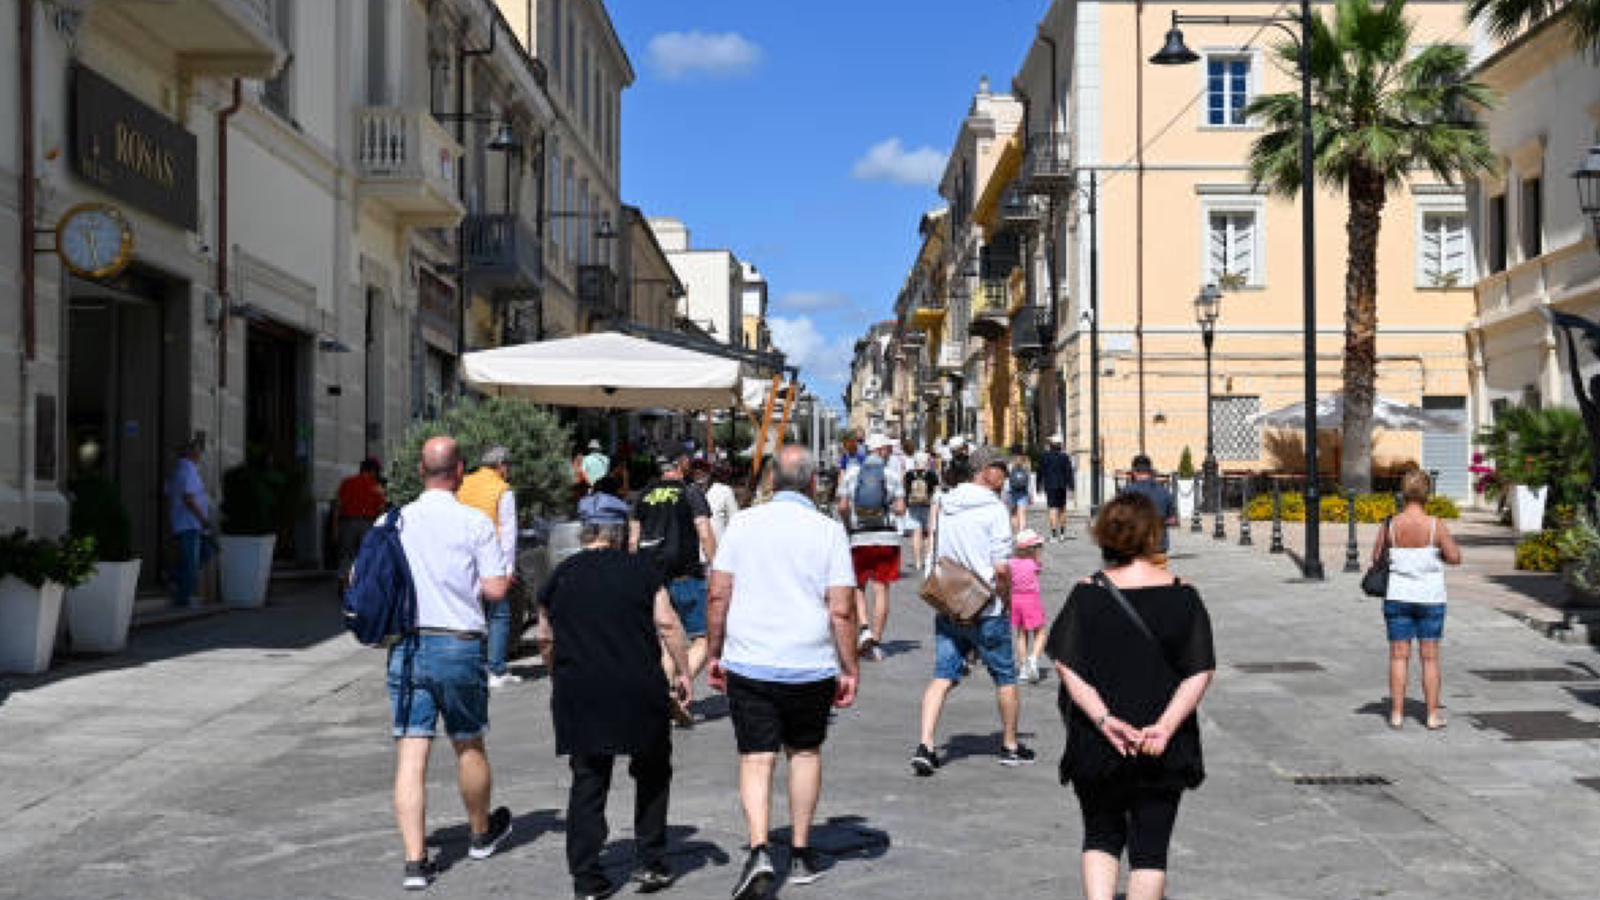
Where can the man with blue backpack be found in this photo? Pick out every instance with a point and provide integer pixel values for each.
(418, 587)
(870, 498)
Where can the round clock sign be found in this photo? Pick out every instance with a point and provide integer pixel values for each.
(94, 241)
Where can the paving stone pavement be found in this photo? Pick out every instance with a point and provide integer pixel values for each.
(245, 756)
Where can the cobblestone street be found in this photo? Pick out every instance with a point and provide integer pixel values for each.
(245, 756)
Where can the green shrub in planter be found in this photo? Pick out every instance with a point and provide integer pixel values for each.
(68, 562)
(98, 513)
(249, 499)
(1539, 553)
(1186, 464)
(541, 471)
(1373, 508)
(1443, 508)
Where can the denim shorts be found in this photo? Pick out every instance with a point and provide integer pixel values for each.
(1413, 621)
(446, 678)
(991, 637)
(689, 599)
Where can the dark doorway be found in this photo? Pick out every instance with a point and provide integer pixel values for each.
(277, 434)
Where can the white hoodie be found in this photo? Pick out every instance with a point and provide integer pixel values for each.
(975, 530)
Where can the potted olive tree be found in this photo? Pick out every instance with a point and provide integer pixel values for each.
(1187, 485)
(34, 574)
(100, 610)
(249, 534)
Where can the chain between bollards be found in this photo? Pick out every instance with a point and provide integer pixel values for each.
(1352, 555)
(1244, 516)
(1220, 532)
(1277, 517)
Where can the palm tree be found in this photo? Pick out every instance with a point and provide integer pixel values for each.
(1379, 114)
(1506, 18)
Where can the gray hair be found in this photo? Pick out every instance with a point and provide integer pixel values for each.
(609, 533)
(983, 457)
(793, 469)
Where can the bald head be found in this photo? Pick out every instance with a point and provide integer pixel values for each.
(441, 463)
(793, 470)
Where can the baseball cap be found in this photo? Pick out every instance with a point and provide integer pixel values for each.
(1027, 537)
(957, 442)
(594, 443)
(1056, 440)
(920, 459)
(878, 442)
(1141, 463)
(497, 455)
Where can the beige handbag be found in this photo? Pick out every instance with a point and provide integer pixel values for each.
(955, 591)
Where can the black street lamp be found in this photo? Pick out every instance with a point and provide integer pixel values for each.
(1588, 179)
(1207, 309)
(1177, 52)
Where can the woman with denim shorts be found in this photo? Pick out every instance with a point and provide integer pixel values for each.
(1419, 547)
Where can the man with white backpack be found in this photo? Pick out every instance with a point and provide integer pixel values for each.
(870, 499)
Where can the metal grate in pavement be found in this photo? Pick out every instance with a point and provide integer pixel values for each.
(1363, 780)
(1538, 725)
(1544, 673)
(1592, 784)
(1273, 668)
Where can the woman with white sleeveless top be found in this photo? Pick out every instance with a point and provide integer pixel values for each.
(1419, 547)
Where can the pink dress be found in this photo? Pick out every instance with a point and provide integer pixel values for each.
(1027, 607)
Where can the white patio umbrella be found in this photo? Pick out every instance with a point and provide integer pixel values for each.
(606, 371)
(1387, 414)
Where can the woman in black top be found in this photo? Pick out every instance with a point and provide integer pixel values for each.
(1131, 679)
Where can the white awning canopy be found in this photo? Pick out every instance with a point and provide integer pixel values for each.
(606, 371)
(1387, 414)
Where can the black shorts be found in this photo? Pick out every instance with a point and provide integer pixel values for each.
(1056, 498)
(770, 716)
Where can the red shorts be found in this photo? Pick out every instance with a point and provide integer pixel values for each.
(880, 564)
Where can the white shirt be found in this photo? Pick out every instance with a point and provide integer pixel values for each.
(1416, 574)
(975, 530)
(724, 505)
(783, 556)
(507, 527)
(450, 548)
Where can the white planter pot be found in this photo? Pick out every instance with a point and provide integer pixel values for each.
(1527, 508)
(28, 617)
(99, 610)
(1188, 488)
(246, 567)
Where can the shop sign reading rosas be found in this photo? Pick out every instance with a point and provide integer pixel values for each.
(131, 151)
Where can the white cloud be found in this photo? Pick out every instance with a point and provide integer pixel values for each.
(824, 362)
(890, 161)
(682, 54)
(813, 301)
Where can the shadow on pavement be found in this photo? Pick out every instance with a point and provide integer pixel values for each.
(838, 838)
(892, 649)
(961, 746)
(526, 828)
(683, 854)
(1416, 710)
(1543, 588)
(297, 616)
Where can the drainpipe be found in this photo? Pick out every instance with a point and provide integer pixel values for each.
(224, 297)
(1138, 214)
(27, 339)
(1053, 249)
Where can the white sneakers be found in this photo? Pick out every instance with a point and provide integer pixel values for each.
(500, 681)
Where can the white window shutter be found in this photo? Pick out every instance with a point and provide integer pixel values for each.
(1453, 249)
(1244, 249)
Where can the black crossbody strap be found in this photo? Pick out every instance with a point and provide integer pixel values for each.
(1127, 608)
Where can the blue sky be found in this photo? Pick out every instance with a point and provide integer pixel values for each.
(808, 136)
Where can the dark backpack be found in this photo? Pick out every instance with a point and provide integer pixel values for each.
(871, 500)
(666, 528)
(1019, 481)
(380, 603)
(919, 493)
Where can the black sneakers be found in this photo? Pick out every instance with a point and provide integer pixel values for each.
(805, 866)
(420, 874)
(654, 878)
(923, 761)
(484, 845)
(1019, 755)
(608, 891)
(757, 877)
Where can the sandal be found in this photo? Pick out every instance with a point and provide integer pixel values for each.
(1397, 721)
(1437, 722)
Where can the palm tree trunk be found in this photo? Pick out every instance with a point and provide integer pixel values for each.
(1367, 195)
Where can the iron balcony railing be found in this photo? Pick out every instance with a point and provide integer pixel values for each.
(1049, 162)
(502, 250)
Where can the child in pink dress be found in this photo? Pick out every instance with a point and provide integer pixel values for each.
(1027, 606)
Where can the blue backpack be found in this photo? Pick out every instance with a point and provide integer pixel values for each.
(380, 604)
(871, 501)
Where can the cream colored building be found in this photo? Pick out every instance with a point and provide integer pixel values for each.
(1167, 146)
(1538, 250)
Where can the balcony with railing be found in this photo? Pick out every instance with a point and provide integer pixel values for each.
(991, 309)
(1032, 332)
(1049, 165)
(952, 357)
(597, 291)
(1019, 209)
(232, 38)
(503, 251)
(406, 162)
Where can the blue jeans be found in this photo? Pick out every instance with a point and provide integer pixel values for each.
(689, 598)
(991, 637)
(1409, 622)
(499, 615)
(194, 551)
(439, 675)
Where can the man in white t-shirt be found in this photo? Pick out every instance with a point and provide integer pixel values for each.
(782, 646)
(456, 564)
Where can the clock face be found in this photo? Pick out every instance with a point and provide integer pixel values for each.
(94, 241)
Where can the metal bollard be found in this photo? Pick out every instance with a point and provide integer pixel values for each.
(1352, 555)
(1194, 520)
(1244, 517)
(1220, 533)
(1277, 518)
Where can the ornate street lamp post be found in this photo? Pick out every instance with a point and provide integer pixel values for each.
(1588, 181)
(1177, 52)
(1207, 309)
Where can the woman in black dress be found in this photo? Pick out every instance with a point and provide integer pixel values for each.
(1133, 648)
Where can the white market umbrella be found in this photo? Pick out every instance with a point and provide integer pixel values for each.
(606, 371)
(1387, 414)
